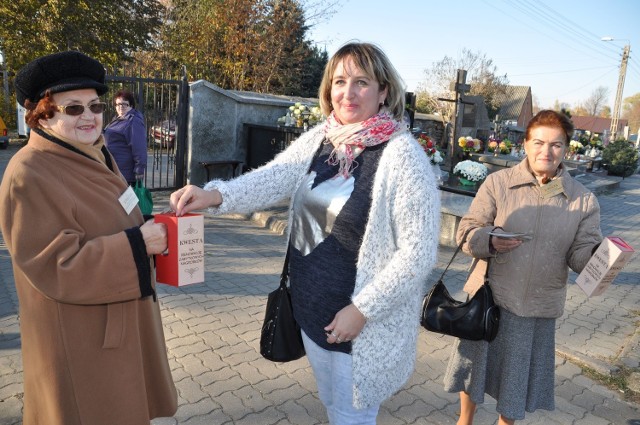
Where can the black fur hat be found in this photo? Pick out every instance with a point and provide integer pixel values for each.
(59, 72)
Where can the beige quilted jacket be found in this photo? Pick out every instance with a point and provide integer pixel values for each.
(531, 280)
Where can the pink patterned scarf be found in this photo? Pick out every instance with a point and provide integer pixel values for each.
(349, 140)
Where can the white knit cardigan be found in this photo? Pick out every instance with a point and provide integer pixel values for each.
(398, 251)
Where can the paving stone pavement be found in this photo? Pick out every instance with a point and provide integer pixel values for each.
(212, 332)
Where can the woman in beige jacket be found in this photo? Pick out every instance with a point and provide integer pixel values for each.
(560, 220)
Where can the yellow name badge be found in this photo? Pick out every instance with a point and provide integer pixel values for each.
(551, 189)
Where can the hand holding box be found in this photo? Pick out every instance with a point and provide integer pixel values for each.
(604, 265)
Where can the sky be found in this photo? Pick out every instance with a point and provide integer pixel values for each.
(553, 46)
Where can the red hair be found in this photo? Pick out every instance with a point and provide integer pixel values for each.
(553, 119)
(43, 110)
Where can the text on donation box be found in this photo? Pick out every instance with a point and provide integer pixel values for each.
(604, 265)
(183, 263)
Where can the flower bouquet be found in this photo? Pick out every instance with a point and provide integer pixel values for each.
(469, 144)
(429, 148)
(576, 148)
(470, 172)
(595, 142)
(505, 146)
(493, 145)
(299, 113)
(594, 147)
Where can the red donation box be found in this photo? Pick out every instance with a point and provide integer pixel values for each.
(183, 262)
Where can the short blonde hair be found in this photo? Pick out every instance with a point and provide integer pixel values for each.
(372, 60)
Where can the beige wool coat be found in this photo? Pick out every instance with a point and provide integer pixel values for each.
(92, 340)
(531, 280)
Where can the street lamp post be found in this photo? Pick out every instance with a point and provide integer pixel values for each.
(618, 102)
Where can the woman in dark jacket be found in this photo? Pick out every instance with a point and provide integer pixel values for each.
(126, 138)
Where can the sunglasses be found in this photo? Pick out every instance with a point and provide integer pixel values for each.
(122, 105)
(75, 110)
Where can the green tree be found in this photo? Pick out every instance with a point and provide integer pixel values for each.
(620, 158)
(631, 112)
(428, 104)
(283, 51)
(256, 45)
(108, 31)
(311, 73)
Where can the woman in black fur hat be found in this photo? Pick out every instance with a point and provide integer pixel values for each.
(93, 347)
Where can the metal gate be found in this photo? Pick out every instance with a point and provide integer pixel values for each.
(164, 103)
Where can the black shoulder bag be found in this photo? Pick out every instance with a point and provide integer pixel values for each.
(476, 319)
(281, 338)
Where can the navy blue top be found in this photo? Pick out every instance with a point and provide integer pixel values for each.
(323, 281)
(126, 139)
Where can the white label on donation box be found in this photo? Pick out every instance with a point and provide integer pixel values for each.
(604, 265)
(183, 264)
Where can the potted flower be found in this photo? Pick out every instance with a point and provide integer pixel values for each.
(593, 147)
(505, 146)
(576, 148)
(300, 115)
(470, 172)
(595, 142)
(493, 145)
(469, 144)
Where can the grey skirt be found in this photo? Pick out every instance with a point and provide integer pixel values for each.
(517, 368)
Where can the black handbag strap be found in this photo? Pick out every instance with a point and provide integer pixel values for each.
(284, 276)
(464, 239)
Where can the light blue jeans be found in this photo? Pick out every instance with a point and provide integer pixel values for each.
(333, 377)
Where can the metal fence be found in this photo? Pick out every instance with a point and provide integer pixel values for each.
(164, 103)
